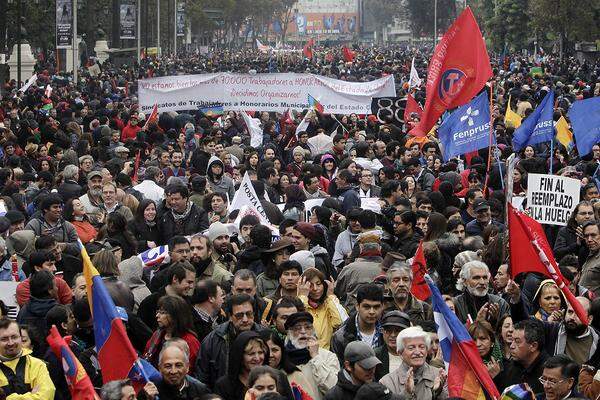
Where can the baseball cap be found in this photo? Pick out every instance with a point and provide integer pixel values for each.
(361, 353)
(375, 390)
(396, 318)
(480, 205)
(93, 174)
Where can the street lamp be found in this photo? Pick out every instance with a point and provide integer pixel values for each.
(19, 27)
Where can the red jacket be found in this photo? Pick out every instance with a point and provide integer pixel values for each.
(130, 132)
(65, 295)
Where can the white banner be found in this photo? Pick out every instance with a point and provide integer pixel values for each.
(30, 82)
(263, 92)
(551, 199)
(246, 196)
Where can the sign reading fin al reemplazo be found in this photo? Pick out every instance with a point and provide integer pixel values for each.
(265, 92)
(64, 24)
(467, 129)
(551, 199)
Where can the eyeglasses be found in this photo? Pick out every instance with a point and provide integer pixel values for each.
(247, 314)
(548, 382)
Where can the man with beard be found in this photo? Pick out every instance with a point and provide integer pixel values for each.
(183, 218)
(214, 351)
(92, 200)
(175, 169)
(476, 298)
(320, 367)
(217, 180)
(400, 278)
(201, 258)
(358, 369)
(223, 251)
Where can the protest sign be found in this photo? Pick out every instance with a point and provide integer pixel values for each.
(551, 199)
(264, 92)
(246, 196)
(394, 106)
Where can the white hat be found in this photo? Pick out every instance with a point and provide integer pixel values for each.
(305, 258)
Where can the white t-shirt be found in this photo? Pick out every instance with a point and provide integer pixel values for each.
(368, 339)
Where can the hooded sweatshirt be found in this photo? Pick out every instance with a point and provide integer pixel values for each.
(21, 243)
(222, 183)
(131, 274)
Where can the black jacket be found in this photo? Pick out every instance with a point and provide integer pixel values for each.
(193, 389)
(196, 221)
(407, 246)
(214, 352)
(343, 389)
(251, 259)
(514, 373)
(34, 314)
(345, 334)
(148, 306)
(382, 369)
(69, 190)
(143, 234)
(273, 212)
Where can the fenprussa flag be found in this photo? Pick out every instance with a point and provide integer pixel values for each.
(458, 69)
(538, 127)
(585, 120)
(467, 129)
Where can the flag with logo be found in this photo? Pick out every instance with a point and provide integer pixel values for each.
(459, 68)
(467, 129)
(531, 252)
(563, 133)
(468, 377)
(538, 127)
(511, 118)
(414, 81)
(585, 120)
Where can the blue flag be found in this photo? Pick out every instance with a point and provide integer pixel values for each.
(538, 127)
(467, 129)
(585, 120)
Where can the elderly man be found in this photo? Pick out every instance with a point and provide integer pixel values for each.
(476, 298)
(559, 379)
(319, 366)
(400, 278)
(393, 322)
(590, 271)
(123, 390)
(70, 188)
(414, 378)
(92, 200)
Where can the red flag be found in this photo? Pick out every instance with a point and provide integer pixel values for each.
(458, 69)
(530, 252)
(153, 117)
(412, 107)
(348, 54)
(79, 382)
(307, 50)
(136, 166)
(419, 287)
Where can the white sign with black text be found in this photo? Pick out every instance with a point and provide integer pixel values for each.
(551, 199)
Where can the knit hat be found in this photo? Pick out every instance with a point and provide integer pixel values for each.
(307, 230)
(305, 258)
(217, 229)
(297, 150)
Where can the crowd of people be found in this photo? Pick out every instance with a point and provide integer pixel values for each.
(317, 304)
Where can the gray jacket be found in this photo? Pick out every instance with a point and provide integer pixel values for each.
(423, 377)
(343, 246)
(63, 231)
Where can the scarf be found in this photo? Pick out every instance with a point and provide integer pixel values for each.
(297, 356)
(202, 266)
(152, 224)
(179, 217)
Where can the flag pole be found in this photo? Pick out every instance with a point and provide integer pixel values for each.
(551, 154)
(489, 160)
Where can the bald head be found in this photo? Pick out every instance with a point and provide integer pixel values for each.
(572, 322)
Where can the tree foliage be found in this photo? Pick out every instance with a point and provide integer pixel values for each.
(575, 20)
(421, 13)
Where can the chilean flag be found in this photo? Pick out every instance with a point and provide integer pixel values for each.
(468, 377)
(116, 355)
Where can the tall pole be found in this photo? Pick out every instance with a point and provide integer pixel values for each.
(175, 28)
(19, 13)
(139, 30)
(434, 22)
(158, 28)
(75, 50)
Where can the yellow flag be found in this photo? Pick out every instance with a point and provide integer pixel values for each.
(563, 134)
(511, 119)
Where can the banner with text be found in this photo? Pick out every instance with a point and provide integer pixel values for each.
(394, 106)
(551, 199)
(64, 24)
(127, 19)
(180, 18)
(263, 92)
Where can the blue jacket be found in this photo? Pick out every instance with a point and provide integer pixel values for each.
(6, 272)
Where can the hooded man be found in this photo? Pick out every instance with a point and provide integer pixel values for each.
(217, 179)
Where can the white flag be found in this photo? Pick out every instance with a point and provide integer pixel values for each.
(256, 133)
(246, 196)
(414, 80)
(48, 91)
(304, 124)
(30, 82)
(261, 47)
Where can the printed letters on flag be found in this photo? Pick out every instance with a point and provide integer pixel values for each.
(254, 129)
(538, 127)
(530, 252)
(419, 287)
(246, 195)
(467, 129)
(29, 82)
(585, 120)
(79, 382)
(468, 376)
(414, 81)
(459, 68)
(511, 118)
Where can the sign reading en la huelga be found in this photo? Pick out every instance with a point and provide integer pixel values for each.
(551, 199)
